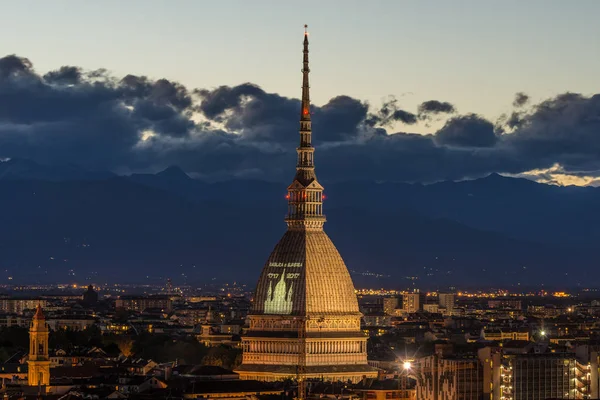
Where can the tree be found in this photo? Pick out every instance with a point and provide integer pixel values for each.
(125, 344)
(223, 356)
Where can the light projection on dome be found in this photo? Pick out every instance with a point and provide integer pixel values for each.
(279, 299)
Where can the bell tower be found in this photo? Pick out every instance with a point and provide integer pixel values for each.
(39, 361)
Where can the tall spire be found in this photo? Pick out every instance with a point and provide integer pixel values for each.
(305, 111)
(305, 194)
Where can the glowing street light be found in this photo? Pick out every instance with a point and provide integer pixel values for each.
(407, 365)
(543, 333)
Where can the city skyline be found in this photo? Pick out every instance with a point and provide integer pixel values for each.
(140, 195)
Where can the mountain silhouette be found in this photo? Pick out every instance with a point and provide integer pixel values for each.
(494, 231)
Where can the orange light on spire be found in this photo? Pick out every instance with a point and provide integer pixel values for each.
(305, 111)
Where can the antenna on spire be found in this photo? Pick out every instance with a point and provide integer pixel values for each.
(305, 29)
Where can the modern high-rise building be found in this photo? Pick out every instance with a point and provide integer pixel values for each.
(391, 305)
(544, 376)
(491, 374)
(305, 319)
(413, 302)
(450, 378)
(446, 301)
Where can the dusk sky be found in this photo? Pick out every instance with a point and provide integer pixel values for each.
(473, 56)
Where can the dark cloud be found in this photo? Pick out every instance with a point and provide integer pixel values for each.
(135, 123)
(514, 120)
(15, 67)
(433, 107)
(65, 75)
(467, 131)
(521, 99)
(389, 113)
(562, 130)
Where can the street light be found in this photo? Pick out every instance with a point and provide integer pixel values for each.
(406, 365)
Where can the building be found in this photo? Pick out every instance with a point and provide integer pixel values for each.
(447, 301)
(305, 318)
(374, 389)
(74, 323)
(39, 360)
(391, 304)
(8, 320)
(432, 308)
(211, 336)
(413, 302)
(141, 303)
(377, 319)
(20, 305)
(506, 334)
(448, 376)
(510, 304)
(544, 376)
(495, 373)
(90, 296)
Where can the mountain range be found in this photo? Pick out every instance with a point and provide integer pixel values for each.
(63, 223)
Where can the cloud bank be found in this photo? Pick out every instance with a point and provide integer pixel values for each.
(134, 123)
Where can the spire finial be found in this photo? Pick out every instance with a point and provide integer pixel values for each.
(305, 195)
(39, 314)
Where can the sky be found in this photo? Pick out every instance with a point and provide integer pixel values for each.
(474, 55)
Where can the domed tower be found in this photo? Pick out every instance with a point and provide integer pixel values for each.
(305, 310)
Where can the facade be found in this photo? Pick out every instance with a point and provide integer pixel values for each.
(450, 378)
(73, 323)
(505, 304)
(447, 300)
(413, 302)
(305, 319)
(19, 306)
(39, 360)
(506, 334)
(141, 303)
(391, 304)
(375, 389)
(544, 376)
(491, 374)
(431, 308)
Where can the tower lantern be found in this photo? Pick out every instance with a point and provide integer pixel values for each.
(305, 194)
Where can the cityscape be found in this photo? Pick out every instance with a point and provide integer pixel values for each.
(159, 241)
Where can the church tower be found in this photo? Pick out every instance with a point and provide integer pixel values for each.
(39, 361)
(305, 308)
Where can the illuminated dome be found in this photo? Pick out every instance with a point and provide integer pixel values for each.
(305, 275)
